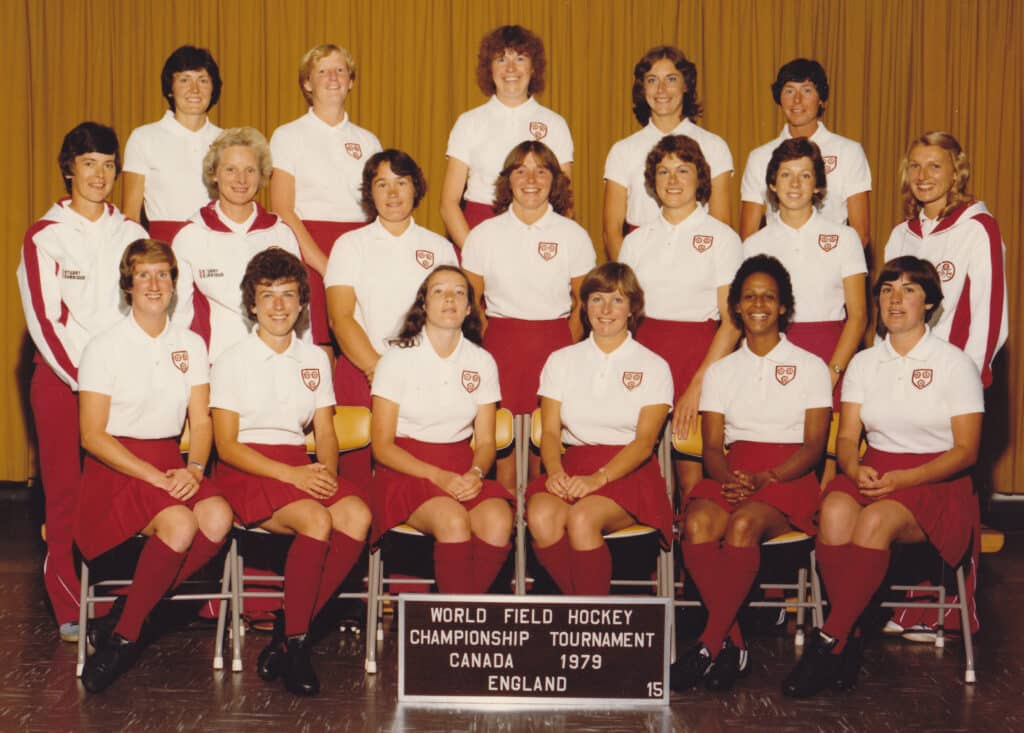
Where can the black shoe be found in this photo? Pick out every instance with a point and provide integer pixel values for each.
(100, 629)
(106, 665)
(299, 676)
(270, 662)
(850, 661)
(690, 669)
(730, 664)
(816, 669)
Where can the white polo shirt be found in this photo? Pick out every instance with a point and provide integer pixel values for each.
(764, 398)
(602, 394)
(149, 379)
(275, 395)
(484, 136)
(69, 281)
(627, 160)
(438, 398)
(907, 401)
(846, 171)
(385, 271)
(680, 267)
(212, 253)
(527, 267)
(818, 256)
(170, 156)
(327, 164)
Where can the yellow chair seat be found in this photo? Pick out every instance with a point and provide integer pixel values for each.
(636, 530)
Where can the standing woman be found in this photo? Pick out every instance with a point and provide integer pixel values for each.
(266, 391)
(215, 246)
(163, 161)
(685, 261)
(431, 392)
(665, 102)
(919, 400)
(769, 403)
(510, 69)
(318, 168)
(137, 382)
(527, 264)
(801, 90)
(68, 282)
(948, 227)
(604, 398)
(824, 259)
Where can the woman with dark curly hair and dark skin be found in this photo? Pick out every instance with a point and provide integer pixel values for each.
(510, 69)
(527, 265)
(432, 391)
(266, 391)
(769, 404)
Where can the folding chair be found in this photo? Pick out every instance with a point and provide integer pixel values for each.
(377, 581)
(530, 429)
(352, 427)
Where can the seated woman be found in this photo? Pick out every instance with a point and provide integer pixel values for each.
(136, 381)
(266, 391)
(606, 399)
(919, 400)
(769, 403)
(432, 390)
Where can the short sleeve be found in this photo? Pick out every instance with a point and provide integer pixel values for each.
(94, 373)
(473, 253)
(344, 266)
(281, 152)
(387, 376)
(965, 395)
(135, 154)
(552, 377)
(490, 387)
(728, 258)
(712, 398)
(225, 384)
(583, 258)
(718, 155)
(853, 262)
(892, 245)
(198, 362)
(560, 141)
(854, 378)
(858, 177)
(753, 186)
(819, 388)
(661, 387)
(615, 165)
(458, 140)
(325, 390)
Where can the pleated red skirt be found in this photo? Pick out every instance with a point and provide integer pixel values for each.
(520, 349)
(797, 499)
(683, 344)
(641, 493)
(396, 495)
(477, 212)
(256, 498)
(820, 338)
(323, 233)
(113, 506)
(947, 511)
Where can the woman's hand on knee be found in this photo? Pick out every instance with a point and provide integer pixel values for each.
(315, 479)
(558, 484)
(180, 484)
(579, 486)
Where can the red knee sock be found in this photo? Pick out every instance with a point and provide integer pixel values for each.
(557, 560)
(453, 567)
(303, 569)
(737, 570)
(703, 563)
(157, 566)
(342, 553)
(488, 560)
(201, 552)
(852, 574)
(592, 571)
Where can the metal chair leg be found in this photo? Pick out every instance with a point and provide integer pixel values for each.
(818, 618)
(84, 604)
(373, 603)
(225, 589)
(965, 626)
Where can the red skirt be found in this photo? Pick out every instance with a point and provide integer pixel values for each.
(797, 499)
(641, 493)
(323, 233)
(520, 349)
(256, 498)
(683, 344)
(397, 495)
(113, 506)
(477, 212)
(164, 231)
(947, 511)
(820, 338)
(350, 385)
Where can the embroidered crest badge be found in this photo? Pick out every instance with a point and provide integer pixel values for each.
(425, 258)
(831, 161)
(702, 242)
(828, 242)
(311, 378)
(547, 250)
(785, 373)
(354, 149)
(921, 378)
(180, 360)
(470, 380)
(539, 130)
(946, 270)
(632, 380)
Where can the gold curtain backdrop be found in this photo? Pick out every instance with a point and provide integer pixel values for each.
(896, 69)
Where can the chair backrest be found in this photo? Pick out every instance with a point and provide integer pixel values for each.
(504, 433)
(183, 444)
(535, 428)
(351, 425)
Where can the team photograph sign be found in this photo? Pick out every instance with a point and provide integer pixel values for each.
(531, 649)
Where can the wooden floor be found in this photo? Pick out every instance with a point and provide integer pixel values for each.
(173, 688)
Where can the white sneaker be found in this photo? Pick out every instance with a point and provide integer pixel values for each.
(892, 628)
(69, 632)
(921, 633)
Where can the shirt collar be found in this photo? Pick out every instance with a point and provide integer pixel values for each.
(231, 224)
(136, 330)
(623, 349)
(541, 223)
(778, 355)
(806, 225)
(169, 123)
(697, 216)
(379, 232)
(528, 106)
(922, 349)
(819, 136)
(341, 126)
(263, 352)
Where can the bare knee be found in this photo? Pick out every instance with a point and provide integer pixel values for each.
(451, 524)
(314, 521)
(874, 528)
(546, 518)
(351, 516)
(743, 530)
(214, 517)
(837, 519)
(492, 522)
(583, 527)
(176, 527)
(700, 526)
